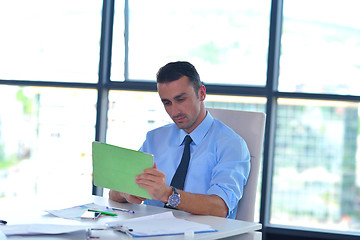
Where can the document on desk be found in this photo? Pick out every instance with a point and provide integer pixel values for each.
(75, 213)
(115, 168)
(158, 225)
(39, 229)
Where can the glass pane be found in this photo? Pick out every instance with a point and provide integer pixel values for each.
(254, 104)
(227, 42)
(50, 40)
(118, 49)
(316, 180)
(45, 141)
(129, 123)
(128, 128)
(150, 114)
(320, 47)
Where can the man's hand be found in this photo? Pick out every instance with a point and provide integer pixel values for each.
(154, 181)
(124, 197)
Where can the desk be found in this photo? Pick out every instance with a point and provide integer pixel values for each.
(27, 211)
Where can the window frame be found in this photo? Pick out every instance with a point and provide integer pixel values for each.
(269, 91)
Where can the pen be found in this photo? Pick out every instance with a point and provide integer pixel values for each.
(122, 210)
(102, 212)
(3, 222)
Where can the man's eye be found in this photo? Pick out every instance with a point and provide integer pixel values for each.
(166, 103)
(181, 99)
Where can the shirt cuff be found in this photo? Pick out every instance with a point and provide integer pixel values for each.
(228, 197)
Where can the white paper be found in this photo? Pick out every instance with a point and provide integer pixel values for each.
(2, 236)
(76, 212)
(36, 229)
(160, 224)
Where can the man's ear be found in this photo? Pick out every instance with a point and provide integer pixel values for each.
(202, 93)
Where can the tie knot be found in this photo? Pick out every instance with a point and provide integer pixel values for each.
(187, 140)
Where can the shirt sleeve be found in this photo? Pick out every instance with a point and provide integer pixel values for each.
(231, 171)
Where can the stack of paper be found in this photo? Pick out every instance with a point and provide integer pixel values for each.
(75, 213)
(160, 224)
(38, 229)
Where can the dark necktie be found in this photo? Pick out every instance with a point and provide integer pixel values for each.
(180, 174)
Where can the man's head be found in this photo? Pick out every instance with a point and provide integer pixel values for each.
(182, 94)
(175, 70)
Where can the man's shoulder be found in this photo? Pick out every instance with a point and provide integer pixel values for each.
(223, 131)
(222, 127)
(165, 129)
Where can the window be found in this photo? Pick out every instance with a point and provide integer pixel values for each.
(320, 47)
(227, 43)
(50, 94)
(50, 40)
(45, 140)
(316, 172)
(129, 123)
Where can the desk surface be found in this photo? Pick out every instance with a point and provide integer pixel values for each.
(29, 210)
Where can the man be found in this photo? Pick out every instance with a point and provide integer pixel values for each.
(219, 158)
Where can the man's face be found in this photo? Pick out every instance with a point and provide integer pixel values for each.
(183, 105)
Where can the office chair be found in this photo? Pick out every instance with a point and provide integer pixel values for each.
(250, 126)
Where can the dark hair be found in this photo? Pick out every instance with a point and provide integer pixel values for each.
(175, 70)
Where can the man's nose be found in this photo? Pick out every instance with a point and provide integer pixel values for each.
(175, 110)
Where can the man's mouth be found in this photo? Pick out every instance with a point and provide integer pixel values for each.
(179, 119)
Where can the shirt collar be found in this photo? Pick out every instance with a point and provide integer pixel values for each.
(199, 132)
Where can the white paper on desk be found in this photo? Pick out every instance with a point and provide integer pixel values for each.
(2, 236)
(75, 213)
(38, 229)
(161, 224)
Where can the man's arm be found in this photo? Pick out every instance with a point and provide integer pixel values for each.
(202, 204)
(154, 181)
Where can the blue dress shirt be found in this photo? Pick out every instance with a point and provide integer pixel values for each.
(219, 161)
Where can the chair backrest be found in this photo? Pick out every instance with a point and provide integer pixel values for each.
(250, 126)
